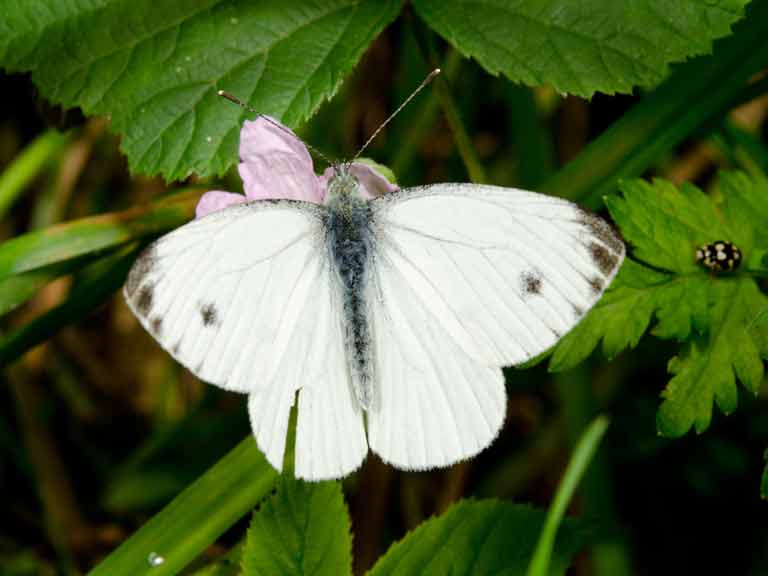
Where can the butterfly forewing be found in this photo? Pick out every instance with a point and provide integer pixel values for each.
(244, 298)
(506, 272)
(467, 279)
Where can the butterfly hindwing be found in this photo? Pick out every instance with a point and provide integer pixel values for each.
(434, 405)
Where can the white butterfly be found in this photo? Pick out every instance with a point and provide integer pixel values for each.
(388, 316)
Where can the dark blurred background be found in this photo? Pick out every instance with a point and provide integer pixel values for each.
(99, 428)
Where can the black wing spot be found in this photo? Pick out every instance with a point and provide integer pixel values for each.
(530, 282)
(603, 259)
(156, 324)
(209, 314)
(578, 310)
(596, 283)
(144, 299)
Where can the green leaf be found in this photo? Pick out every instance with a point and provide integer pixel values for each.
(706, 370)
(695, 95)
(479, 537)
(197, 516)
(663, 223)
(718, 314)
(581, 47)
(87, 236)
(154, 67)
(302, 529)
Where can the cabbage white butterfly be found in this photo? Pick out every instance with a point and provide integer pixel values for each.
(385, 313)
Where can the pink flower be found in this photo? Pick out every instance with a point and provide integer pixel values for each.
(275, 163)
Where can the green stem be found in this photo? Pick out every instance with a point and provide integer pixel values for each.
(28, 165)
(196, 517)
(585, 449)
(467, 152)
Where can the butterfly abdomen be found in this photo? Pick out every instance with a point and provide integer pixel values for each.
(349, 239)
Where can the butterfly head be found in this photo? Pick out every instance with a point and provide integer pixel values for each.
(343, 185)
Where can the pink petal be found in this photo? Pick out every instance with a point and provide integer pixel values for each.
(216, 200)
(372, 183)
(274, 163)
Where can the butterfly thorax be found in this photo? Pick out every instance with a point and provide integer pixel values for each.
(349, 238)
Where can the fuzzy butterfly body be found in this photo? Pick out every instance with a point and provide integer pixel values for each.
(386, 314)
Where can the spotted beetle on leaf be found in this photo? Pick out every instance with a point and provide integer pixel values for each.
(719, 256)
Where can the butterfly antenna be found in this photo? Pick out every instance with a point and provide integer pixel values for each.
(234, 99)
(419, 88)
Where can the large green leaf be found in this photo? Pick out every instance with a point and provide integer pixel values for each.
(154, 67)
(478, 537)
(696, 93)
(302, 529)
(581, 47)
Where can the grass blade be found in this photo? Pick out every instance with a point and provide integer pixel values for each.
(196, 517)
(94, 234)
(582, 455)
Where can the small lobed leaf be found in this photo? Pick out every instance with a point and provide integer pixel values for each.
(706, 370)
(664, 223)
(479, 537)
(155, 67)
(620, 318)
(721, 316)
(581, 47)
(303, 528)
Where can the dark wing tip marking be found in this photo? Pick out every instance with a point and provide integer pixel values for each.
(530, 282)
(603, 231)
(597, 284)
(143, 265)
(144, 298)
(209, 314)
(603, 258)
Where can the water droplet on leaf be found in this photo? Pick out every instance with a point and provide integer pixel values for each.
(154, 559)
